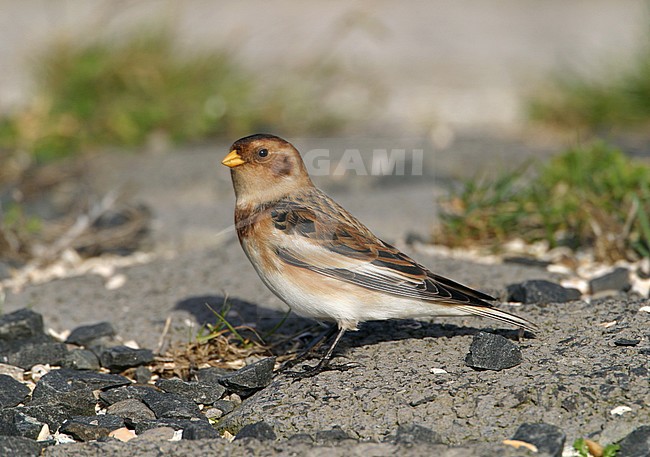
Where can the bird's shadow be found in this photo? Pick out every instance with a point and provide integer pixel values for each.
(239, 312)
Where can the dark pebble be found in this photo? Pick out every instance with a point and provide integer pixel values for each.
(131, 409)
(415, 237)
(200, 431)
(617, 280)
(142, 375)
(53, 389)
(40, 353)
(86, 428)
(12, 392)
(528, 261)
(54, 414)
(176, 424)
(66, 380)
(80, 359)
(82, 336)
(414, 434)
(168, 405)
(19, 446)
(198, 392)
(548, 439)
(27, 426)
(636, 444)
(541, 291)
(301, 438)
(121, 357)
(247, 380)
(492, 352)
(333, 435)
(112, 396)
(626, 342)
(20, 324)
(7, 425)
(261, 431)
(211, 375)
(225, 406)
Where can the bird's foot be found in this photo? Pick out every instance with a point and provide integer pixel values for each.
(309, 371)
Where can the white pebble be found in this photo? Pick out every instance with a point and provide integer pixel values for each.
(620, 410)
(115, 282)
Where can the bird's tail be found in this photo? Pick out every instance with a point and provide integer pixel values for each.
(499, 315)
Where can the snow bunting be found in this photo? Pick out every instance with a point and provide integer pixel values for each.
(323, 262)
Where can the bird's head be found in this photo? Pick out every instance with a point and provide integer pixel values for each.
(265, 168)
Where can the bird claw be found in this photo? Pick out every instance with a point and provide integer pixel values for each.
(310, 372)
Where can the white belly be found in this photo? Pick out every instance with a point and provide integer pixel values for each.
(329, 299)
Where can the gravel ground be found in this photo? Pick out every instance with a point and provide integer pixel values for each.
(576, 373)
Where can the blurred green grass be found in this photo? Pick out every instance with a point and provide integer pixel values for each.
(121, 95)
(615, 100)
(586, 197)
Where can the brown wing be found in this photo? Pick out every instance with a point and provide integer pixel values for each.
(358, 256)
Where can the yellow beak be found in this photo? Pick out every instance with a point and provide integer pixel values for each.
(232, 160)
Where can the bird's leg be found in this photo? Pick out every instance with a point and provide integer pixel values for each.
(315, 342)
(324, 362)
(328, 355)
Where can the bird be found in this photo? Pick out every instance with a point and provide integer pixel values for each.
(322, 261)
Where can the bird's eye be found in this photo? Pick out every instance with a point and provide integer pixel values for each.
(263, 153)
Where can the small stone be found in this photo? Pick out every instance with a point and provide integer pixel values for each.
(27, 426)
(111, 396)
(200, 431)
(19, 446)
(528, 261)
(414, 434)
(492, 352)
(39, 353)
(301, 438)
(7, 424)
(261, 431)
(121, 357)
(168, 405)
(82, 336)
(198, 392)
(55, 413)
(12, 392)
(131, 409)
(548, 439)
(80, 359)
(86, 428)
(66, 380)
(176, 424)
(250, 378)
(225, 406)
(415, 237)
(157, 434)
(636, 444)
(211, 375)
(617, 280)
(213, 413)
(142, 375)
(626, 342)
(20, 324)
(13, 371)
(55, 388)
(541, 291)
(333, 435)
(122, 434)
